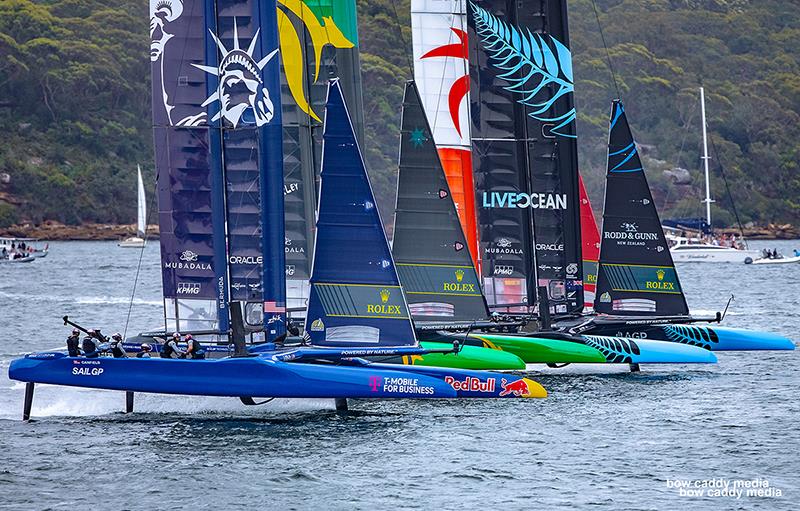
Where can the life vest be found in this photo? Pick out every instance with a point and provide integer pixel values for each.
(197, 349)
(167, 350)
(118, 351)
(72, 345)
(90, 347)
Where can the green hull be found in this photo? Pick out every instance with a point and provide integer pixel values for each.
(470, 357)
(541, 351)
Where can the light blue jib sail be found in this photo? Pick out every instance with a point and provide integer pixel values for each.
(355, 299)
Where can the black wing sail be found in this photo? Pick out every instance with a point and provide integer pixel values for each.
(636, 275)
(524, 152)
(429, 247)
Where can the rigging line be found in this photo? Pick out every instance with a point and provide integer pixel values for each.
(688, 124)
(728, 190)
(608, 54)
(138, 270)
(402, 39)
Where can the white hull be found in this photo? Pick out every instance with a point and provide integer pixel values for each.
(782, 260)
(712, 255)
(134, 242)
(27, 259)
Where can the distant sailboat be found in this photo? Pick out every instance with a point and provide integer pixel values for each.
(138, 241)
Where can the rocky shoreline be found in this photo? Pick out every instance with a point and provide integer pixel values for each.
(55, 231)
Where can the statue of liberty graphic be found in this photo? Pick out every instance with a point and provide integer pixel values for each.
(241, 94)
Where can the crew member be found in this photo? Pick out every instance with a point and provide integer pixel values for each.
(145, 351)
(171, 348)
(91, 344)
(116, 346)
(194, 349)
(73, 343)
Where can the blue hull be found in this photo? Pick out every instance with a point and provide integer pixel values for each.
(266, 376)
(714, 338)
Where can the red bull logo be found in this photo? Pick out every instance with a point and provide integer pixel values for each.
(471, 384)
(518, 388)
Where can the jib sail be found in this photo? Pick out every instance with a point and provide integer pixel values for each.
(217, 118)
(441, 72)
(318, 39)
(591, 246)
(429, 246)
(636, 275)
(355, 298)
(524, 152)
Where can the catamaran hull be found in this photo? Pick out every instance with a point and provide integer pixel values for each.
(592, 349)
(263, 376)
(714, 338)
(712, 255)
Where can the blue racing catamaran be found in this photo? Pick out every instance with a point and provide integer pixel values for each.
(216, 130)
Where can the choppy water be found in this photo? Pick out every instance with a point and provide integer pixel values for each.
(602, 440)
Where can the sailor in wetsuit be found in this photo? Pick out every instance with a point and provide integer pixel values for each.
(116, 346)
(73, 343)
(171, 349)
(194, 349)
(91, 344)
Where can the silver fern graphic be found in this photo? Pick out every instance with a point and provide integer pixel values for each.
(529, 66)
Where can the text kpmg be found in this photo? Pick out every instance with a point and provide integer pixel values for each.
(524, 200)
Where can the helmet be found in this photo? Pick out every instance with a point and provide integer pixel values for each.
(176, 335)
(146, 347)
(189, 336)
(117, 336)
(75, 331)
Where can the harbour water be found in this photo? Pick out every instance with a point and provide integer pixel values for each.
(604, 439)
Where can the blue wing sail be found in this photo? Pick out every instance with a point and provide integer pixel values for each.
(355, 299)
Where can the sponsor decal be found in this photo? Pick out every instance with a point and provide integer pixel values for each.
(290, 269)
(383, 307)
(291, 187)
(628, 234)
(188, 288)
(87, 371)
(659, 284)
(503, 246)
(443, 193)
(554, 247)
(385, 263)
(317, 325)
(374, 383)
(238, 285)
(634, 335)
(369, 205)
(572, 269)
(245, 260)
(500, 269)
(517, 388)
(524, 200)
(418, 137)
(605, 297)
(458, 286)
(472, 384)
(289, 249)
(221, 293)
(458, 246)
(188, 256)
(404, 386)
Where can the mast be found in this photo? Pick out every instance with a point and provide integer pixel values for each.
(707, 200)
(141, 206)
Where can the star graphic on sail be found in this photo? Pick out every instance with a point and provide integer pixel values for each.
(460, 87)
(418, 137)
(241, 92)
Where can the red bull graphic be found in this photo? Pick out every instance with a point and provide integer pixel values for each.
(472, 384)
(518, 388)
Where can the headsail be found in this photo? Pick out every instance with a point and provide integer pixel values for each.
(429, 245)
(636, 275)
(441, 72)
(318, 39)
(524, 152)
(141, 205)
(355, 299)
(591, 246)
(216, 108)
